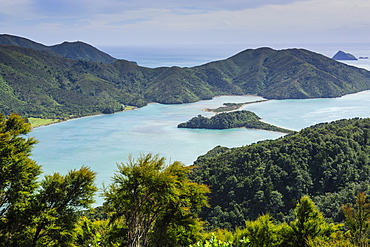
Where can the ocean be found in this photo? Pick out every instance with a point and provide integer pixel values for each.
(194, 55)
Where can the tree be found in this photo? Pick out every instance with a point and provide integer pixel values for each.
(57, 204)
(261, 232)
(92, 233)
(156, 202)
(309, 223)
(358, 220)
(18, 176)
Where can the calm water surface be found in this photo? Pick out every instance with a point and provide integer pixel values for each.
(101, 142)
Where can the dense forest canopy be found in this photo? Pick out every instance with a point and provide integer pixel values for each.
(150, 203)
(330, 162)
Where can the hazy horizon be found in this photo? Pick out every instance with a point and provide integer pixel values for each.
(165, 22)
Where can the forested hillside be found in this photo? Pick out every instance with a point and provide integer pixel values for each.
(76, 50)
(330, 162)
(59, 82)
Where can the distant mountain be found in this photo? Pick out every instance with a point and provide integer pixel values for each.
(36, 82)
(341, 55)
(7, 39)
(82, 51)
(74, 50)
(285, 74)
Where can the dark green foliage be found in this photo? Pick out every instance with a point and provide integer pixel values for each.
(38, 82)
(18, 175)
(55, 208)
(228, 120)
(156, 203)
(271, 176)
(32, 213)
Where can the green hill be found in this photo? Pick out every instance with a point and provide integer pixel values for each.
(75, 50)
(6, 39)
(228, 120)
(330, 162)
(81, 51)
(286, 74)
(40, 82)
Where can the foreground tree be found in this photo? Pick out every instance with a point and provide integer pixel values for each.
(156, 202)
(358, 220)
(18, 176)
(57, 205)
(261, 233)
(309, 224)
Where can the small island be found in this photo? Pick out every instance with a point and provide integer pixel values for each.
(232, 106)
(229, 120)
(341, 55)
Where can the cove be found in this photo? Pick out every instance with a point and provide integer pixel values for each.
(101, 142)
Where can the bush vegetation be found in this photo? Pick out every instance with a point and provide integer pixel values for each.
(150, 203)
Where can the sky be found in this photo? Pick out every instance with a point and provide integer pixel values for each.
(168, 22)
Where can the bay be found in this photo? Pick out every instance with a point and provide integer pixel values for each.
(101, 142)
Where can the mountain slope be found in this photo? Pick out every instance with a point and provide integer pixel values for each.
(75, 50)
(42, 85)
(329, 162)
(82, 51)
(288, 74)
(39, 83)
(7, 39)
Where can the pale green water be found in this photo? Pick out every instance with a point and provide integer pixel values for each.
(102, 141)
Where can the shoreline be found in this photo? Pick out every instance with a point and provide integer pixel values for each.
(237, 106)
(134, 108)
(70, 119)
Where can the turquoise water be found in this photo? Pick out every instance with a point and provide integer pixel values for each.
(101, 142)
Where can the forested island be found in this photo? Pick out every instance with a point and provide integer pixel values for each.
(329, 162)
(74, 79)
(229, 120)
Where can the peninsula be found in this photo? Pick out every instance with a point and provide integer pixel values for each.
(227, 107)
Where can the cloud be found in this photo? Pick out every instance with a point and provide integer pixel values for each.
(175, 21)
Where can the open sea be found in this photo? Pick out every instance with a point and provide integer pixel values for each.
(101, 142)
(194, 55)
